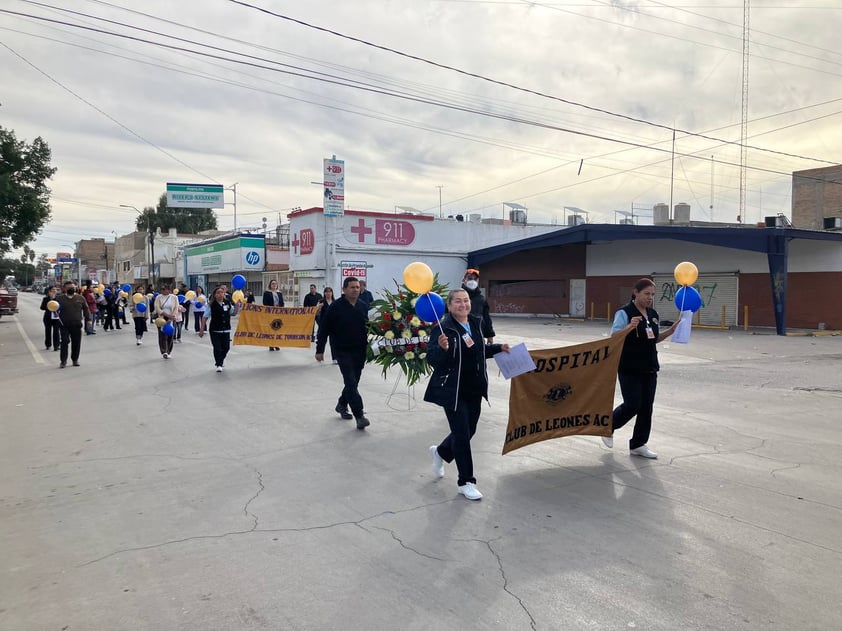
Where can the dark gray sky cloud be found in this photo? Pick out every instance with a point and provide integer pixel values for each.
(269, 130)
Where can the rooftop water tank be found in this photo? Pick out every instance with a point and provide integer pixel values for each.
(661, 214)
(682, 213)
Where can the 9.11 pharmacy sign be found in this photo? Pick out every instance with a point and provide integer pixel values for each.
(195, 195)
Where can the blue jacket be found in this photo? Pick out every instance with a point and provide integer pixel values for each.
(444, 386)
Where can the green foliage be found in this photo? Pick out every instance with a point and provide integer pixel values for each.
(184, 220)
(24, 195)
(395, 319)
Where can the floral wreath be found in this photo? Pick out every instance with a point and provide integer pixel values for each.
(397, 336)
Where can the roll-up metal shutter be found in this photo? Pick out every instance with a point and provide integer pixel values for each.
(716, 290)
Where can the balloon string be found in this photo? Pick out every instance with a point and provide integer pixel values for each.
(433, 308)
(683, 297)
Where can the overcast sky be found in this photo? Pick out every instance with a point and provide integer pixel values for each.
(270, 97)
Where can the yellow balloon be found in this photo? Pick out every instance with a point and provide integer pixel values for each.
(175, 290)
(418, 277)
(123, 294)
(138, 298)
(686, 273)
(160, 322)
(150, 295)
(238, 296)
(201, 298)
(101, 288)
(189, 295)
(52, 305)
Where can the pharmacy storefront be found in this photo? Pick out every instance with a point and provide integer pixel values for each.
(215, 261)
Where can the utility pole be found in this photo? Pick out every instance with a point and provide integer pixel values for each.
(741, 218)
(233, 187)
(440, 187)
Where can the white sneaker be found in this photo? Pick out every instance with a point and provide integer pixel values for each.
(608, 441)
(165, 356)
(644, 452)
(470, 491)
(138, 342)
(438, 463)
(219, 369)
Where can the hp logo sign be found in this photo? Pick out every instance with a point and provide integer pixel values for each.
(253, 257)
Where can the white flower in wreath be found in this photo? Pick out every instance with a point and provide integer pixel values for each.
(396, 315)
(415, 321)
(407, 334)
(410, 355)
(422, 333)
(390, 349)
(422, 356)
(412, 302)
(389, 335)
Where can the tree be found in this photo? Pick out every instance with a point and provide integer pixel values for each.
(24, 195)
(186, 220)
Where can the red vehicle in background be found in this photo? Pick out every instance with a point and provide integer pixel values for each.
(8, 298)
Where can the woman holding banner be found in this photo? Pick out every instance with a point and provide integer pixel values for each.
(216, 318)
(273, 297)
(638, 370)
(459, 383)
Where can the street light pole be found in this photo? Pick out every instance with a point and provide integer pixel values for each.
(150, 269)
(440, 187)
(233, 187)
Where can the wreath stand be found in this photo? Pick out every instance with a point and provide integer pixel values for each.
(396, 398)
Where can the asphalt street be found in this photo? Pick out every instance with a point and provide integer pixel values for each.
(138, 493)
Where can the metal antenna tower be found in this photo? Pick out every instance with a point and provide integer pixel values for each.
(744, 121)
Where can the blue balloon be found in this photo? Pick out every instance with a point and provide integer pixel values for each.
(238, 282)
(429, 307)
(141, 307)
(168, 329)
(127, 288)
(688, 299)
(181, 298)
(107, 291)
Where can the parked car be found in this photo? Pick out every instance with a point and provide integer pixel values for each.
(8, 299)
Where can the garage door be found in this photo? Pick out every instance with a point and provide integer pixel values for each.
(717, 290)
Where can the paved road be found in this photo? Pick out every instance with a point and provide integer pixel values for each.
(142, 494)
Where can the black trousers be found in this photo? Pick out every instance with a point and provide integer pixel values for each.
(457, 445)
(52, 334)
(72, 335)
(221, 343)
(164, 342)
(638, 391)
(139, 326)
(197, 320)
(351, 366)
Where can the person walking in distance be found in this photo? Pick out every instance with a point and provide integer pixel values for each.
(165, 307)
(479, 305)
(638, 369)
(52, 325)
(217, 321)
(312, 299)
(198, 308)
(273, 297)
(458, 384)
(345, 324)
(139, 317)
(365, 295)
(73, 313)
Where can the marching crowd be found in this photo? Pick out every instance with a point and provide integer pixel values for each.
(457, 355)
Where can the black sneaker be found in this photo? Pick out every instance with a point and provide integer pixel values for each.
(62, 364)
(75, 363)
(362, 422)
(342, 411)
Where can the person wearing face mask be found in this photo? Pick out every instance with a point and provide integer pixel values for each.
(73, 312)
(52, 326)
(479, 305)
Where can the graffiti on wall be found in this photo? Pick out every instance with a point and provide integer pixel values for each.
(669, 289)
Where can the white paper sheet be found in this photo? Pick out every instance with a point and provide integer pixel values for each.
(682, 331)
(516, 362)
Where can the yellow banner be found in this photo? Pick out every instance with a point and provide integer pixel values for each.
(570, 392)
(275, 326)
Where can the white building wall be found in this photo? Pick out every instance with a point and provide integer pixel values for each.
(815, 256)
(387, 243)
(654, 256)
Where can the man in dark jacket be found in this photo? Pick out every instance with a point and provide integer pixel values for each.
(312, 299)
(73, 312)
(345, 324)
(479, 305)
